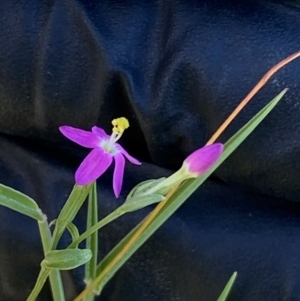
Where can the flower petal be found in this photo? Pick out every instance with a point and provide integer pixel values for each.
(99, 132)
(201, 160)
(81, 137)
(93, 166)
(118, 174)
(130, 158)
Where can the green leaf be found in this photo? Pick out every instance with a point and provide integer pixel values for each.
(143, 187)
(113, 261)
(66, 259)
(225, 293)
(19, 202)
(92, 240)
(139, 202)
(69, 211)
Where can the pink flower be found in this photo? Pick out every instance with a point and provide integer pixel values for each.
(104, 150)
(201, 160)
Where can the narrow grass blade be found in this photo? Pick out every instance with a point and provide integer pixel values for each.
(225, 293)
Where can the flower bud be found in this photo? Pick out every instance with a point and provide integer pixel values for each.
(201, 160)
(195, 165)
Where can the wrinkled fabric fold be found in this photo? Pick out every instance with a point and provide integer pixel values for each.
(176, 70)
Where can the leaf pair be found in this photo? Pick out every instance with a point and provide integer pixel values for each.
(66, 259)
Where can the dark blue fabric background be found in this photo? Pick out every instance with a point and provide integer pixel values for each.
(175, 69)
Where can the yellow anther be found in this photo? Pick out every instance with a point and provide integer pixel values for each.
(120, 125)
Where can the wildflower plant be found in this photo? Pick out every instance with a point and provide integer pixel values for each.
(169, 193)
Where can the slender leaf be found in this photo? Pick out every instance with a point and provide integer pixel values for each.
(139, 202)
(143, 187)
(69, 211)
(19, 202)
(226, 291)
(92, 240)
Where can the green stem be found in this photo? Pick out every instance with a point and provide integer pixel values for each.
(173, 180)
(111, 217)
(92, 240)
(43, 275)
(55, 277)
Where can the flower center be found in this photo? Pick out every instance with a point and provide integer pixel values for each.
(119, 126)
